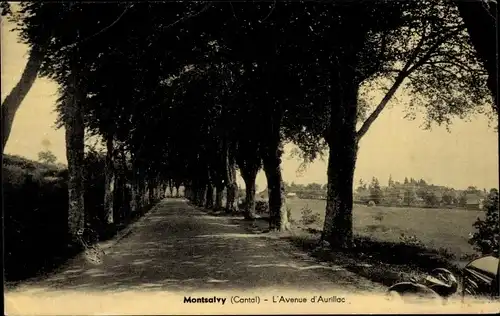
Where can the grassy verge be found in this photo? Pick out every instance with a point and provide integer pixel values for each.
(383, 262)
(435, 228)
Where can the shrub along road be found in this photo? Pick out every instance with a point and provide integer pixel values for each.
(176, 247)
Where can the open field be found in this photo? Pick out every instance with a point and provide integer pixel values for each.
(435, 228)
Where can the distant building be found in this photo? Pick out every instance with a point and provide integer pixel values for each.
(361, 196)
(473, 201)
(291, 195)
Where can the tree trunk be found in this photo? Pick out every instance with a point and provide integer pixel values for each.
(157, 189)
(140, 197)
(249, 177)
(278, 217)
(219, 190)
(125, 207)
(164, 187)
(109, 182)
(139, 191)
(134, 197)
(480, 20)
(151, 191)
(231, 186)
(146, 193)
(171, 187)
(120, 206)
(342, 143)
(209, 200)
(177, 190)
(75, 141)
(200, 194)
(118, 213)
(14, 99)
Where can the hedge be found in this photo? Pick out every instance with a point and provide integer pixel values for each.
(35, 199)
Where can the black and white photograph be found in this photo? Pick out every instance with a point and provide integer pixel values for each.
(250, 157)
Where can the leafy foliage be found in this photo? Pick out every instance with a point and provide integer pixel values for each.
(411, 240)
(47, 157)
(186, 89)
(375, 191)
(486, 238)
(308, 217)
(261, 207)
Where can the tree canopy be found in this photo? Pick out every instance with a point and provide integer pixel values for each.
(190, 90)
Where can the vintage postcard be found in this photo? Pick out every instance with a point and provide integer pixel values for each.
(250, 157)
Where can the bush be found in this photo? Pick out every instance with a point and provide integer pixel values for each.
(36, 211)
(371, 203)
(410, 240)
(308, 217)
(486, 238)
(262, 207)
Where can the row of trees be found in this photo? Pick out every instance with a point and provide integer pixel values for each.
(188, 92)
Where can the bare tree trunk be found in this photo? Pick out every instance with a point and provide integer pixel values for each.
(209, 189)
(134, 206)
(177, 194)
(109, 181)
(209, 200)
(14, 99)
(126, 206)
(249, 177)
(157, 189)
(145, 193)
(278, 217)
(171, 187)
(75, 141)
(139, 182)
(201, 194)
(342, 142)
(164, 187)
(219, 190)
(151, 191)
(135, 190)
(231, 185)
(188, 193)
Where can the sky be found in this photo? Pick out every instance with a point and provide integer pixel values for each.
(393, 146)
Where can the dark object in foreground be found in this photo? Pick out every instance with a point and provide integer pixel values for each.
(479, 278)
(439, 283)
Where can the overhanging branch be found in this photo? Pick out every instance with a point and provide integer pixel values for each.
(409, 67)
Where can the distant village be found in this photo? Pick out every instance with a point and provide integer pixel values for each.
(409, 193)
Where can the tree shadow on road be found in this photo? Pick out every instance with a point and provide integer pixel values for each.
(197, 252)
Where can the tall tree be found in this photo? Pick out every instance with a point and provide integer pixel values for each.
(480, 18)
(37, 52)
(375, 191)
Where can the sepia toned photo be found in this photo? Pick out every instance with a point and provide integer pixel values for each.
(250, 157)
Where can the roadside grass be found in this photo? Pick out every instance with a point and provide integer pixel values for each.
(436, 228)
(391, 244)
(381, 262)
